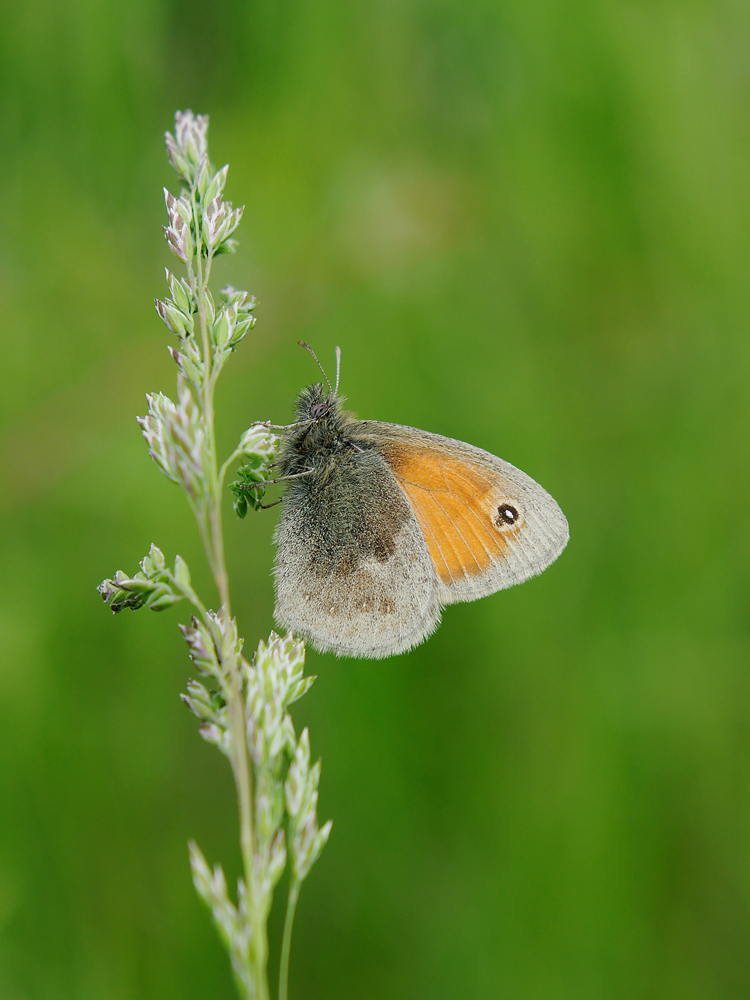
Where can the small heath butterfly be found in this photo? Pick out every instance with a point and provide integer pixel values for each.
(382, 525)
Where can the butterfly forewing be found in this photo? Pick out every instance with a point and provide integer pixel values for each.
(487, 525)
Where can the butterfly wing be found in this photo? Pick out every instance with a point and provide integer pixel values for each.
(487, 525)
(353, 573)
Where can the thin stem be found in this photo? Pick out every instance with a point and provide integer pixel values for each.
(291, 906)
(192, 597)
(223, 470)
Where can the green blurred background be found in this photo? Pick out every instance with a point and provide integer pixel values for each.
(528, 226)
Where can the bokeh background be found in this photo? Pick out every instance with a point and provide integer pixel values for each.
(528, 226)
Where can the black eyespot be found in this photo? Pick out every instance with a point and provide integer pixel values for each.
(320, 409)
(506, 515)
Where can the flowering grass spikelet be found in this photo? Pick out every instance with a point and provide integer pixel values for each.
(201, 648)
(175, 436)
(301, 787)
(156, 586)
(178, 233)
(189, 144)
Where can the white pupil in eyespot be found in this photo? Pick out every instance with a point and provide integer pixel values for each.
(507, 514)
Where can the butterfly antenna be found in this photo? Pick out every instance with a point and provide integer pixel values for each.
(338, 369)
(303, 343)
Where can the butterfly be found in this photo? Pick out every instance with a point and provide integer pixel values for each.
(383, 525)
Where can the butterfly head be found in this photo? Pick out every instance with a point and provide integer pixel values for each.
(320, 422)
(318, 405)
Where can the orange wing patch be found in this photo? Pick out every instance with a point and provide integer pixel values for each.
(455, 503)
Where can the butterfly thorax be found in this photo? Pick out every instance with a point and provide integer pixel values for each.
(321, 436)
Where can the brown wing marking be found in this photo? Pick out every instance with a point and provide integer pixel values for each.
(454, 502)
